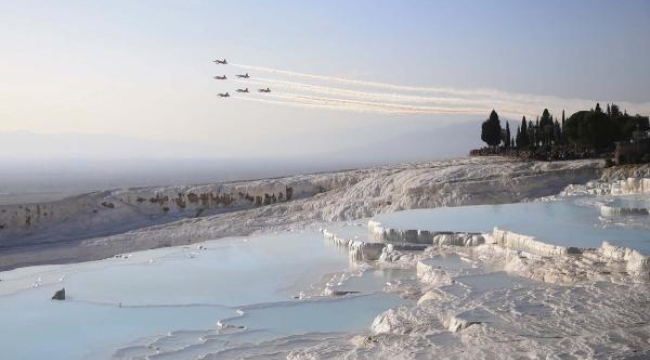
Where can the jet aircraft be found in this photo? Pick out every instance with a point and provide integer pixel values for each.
(267, 90)
(222, 77)
(243, 76)
(242, 90)
(224, 95)
(222, 62)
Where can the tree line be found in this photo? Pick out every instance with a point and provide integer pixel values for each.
(587, 130)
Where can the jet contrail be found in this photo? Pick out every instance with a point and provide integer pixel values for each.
(485, 92)
(320, 106)
(359, 106)
(378, 105)
(379, 101)
(351, 93)
(514, 104)
(473, 93)
(389, 98)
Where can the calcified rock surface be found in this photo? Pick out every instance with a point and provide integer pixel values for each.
(378, 232)
(468, 308)
(103, 224)
(510, 295)
(556, 303)
(497, 295)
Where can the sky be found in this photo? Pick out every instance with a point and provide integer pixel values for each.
(355, 72)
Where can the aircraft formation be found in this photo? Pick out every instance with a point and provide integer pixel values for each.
(239, 76)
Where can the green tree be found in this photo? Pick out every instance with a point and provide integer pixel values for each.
(598, 109)
(507, 140)
(562, 138)
(627, 125)
(546, 127)
(557, 132)
(523, 137)
(591, 129)
(532, 134)
(491, 130)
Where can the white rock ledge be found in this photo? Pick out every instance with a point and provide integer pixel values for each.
(377, 232)
(631, 186)
(631, 260)
(614, 211)
(367, 251)
(512, 240)
(635, 262)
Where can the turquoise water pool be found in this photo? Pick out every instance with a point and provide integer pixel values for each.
(113, 303)
(560, 223)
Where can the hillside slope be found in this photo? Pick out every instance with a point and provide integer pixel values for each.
(106, 223)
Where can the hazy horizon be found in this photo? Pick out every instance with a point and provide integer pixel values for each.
(344, 75)
(55, 173)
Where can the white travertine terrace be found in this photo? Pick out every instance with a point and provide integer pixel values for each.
(631, 186)
(379, 233)
(102, 224)
(513, 244)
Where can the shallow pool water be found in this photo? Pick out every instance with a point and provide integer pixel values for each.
(229, 272)
(188, 290)
(560, 223)
(637, 201)
(350, 313)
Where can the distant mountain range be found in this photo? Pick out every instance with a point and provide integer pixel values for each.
(349, 147)
(420, 145)
(31, 145)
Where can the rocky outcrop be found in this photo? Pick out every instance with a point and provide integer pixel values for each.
(380, 233)
(634, 261)
(630, 186)
(616, 211)
(59, 295)
(512, 240)
(624, 172)
(359, 250)
(614, 256)
(432, 275)
(117, 211)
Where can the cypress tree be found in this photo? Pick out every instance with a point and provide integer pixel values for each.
(491, 130)
(531, 134)
(546, 127)
(557, 132)
(562, 128)
(524, 139)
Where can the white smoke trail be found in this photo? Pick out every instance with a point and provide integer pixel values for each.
(397, 102)
(389, 98)
(402, 108)
(357, 106)
(308, 105)
(514, 104)
(376, 102)
(361, 83)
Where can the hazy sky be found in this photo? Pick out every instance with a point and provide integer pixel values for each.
(143, 68)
